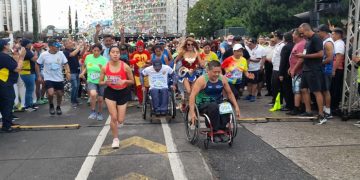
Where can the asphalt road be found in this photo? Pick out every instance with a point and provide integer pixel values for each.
(155, 150)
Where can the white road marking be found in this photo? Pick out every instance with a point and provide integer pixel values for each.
(177, 167)
(91, 157)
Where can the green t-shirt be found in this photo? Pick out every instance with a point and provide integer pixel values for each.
(93, 69)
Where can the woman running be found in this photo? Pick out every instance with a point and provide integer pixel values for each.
(92, 66)
(118, 76)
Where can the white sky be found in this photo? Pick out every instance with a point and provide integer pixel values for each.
(55, 12)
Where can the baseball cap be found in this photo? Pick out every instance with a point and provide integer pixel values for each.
(324, 28)
(56, 44)
(4, 42)
(25, 42)
(237, 47)
(157, 64)
(38, 45)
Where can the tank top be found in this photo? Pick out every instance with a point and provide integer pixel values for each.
(211, 93)
(154, 57)
(328, 67)
(116, 76)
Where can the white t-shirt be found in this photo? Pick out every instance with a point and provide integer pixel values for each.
(158, 80)
(277, 56)
(269, 51)
(257, 53)
(53, 65)
(339, 46)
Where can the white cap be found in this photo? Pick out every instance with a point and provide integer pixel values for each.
(237, 47)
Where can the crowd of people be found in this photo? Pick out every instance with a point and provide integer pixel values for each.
(304, 66)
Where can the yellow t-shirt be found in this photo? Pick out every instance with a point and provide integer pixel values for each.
(210, 57)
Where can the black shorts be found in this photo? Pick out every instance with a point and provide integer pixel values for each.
(313, 80)
(120, 96)
(327, 82)
(256, 77)
(55, 85)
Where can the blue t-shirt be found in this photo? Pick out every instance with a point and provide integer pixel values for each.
(7, 67)
(73, 62)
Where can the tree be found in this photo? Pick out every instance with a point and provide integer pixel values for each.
(35, 20)
(76, 23)
(70, 25)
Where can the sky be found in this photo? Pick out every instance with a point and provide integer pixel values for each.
(55, 12)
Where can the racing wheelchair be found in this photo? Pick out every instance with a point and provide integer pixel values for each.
(147, 105)
(203, 127)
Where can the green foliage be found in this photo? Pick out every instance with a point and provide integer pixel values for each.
(257, 16)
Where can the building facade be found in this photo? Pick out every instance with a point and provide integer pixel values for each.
(150, 16)
(16, 15)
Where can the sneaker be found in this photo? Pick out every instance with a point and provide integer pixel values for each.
(328, 116)
(58, 110)
(358, 122)
(248, 98)
(7, 130)
(284, 109)
(268, 94)
(93, 115)
(116, 143)
(14, 117)
(224, 138)
(307, 114)
(271, 103)
(35, 106)
(99, 117)
(52, 110)
(294, 112)
(40, 102)
(74, 105)
(29, 109)
(253, 99)
(322, 120)
(45, 100)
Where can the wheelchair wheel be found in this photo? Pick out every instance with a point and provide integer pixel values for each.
(233, 123)
(172, 104)
(192, 134)
(144, 105)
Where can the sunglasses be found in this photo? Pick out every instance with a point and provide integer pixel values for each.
(189, 44)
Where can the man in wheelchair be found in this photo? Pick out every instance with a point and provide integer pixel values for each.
(159, 88)
(207, 94)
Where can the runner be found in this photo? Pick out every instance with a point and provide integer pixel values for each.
(140, 59)
(54, 61)
(92, 67)
(119, 76)
(159, 55)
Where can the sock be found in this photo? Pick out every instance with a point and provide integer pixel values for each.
(327, 110)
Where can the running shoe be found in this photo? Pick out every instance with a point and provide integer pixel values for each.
(35, 106)
(252, 99)
(99, 117)
(307, 114)
(322, 120)
(58, 110)
(328, 115)
(29, 109)
(248, 98)
(52, 110)
(93, 115)
(116, 143)
(14, 117)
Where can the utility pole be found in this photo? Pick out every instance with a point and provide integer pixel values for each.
(177, 17)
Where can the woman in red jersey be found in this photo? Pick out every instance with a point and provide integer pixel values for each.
(118, 76)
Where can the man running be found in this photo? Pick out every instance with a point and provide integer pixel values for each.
(54, 62)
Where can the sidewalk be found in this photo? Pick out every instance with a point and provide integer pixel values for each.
(330, 151)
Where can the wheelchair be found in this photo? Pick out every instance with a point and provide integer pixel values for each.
(204, 128)
(147, 106)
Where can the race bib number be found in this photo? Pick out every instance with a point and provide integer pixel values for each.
(95, 76)
(54, 66)
(225, 108)
(236, 74)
